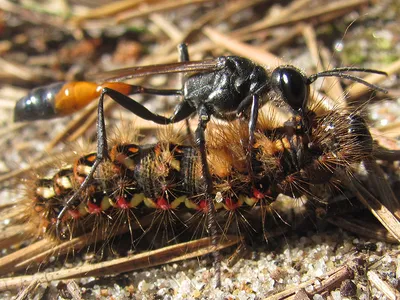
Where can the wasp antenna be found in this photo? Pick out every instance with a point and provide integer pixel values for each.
(338, 73)
(353, 69)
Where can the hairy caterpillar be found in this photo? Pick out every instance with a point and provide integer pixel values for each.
(166, 176)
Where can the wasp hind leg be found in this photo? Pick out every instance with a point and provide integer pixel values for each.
(102, 153)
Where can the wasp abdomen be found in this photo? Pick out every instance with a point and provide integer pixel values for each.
(38, 104)
(61, 99)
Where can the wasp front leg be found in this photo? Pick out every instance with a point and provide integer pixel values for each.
(253, 103)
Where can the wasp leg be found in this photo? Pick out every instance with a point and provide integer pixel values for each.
(102, 153)
(252, 128)
(183, 52)
(204, 118)
(182, 111)
(252, 102)
(184, 56)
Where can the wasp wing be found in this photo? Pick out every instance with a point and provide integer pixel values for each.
(142, 71)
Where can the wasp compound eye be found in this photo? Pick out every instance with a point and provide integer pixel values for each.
(292, 85)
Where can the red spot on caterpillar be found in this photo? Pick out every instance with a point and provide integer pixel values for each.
(74, 213)
(257, 194)
(93, 208)
(163, 204)
(122, 203)
(203, 206)
(230, 204)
